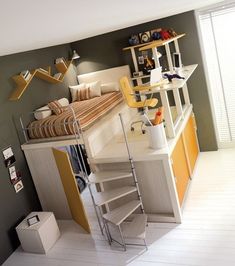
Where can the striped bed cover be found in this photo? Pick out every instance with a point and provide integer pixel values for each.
(87, 112)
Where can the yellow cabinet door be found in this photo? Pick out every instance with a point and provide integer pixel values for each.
(190, 141)
(180, 169)
(70, 188)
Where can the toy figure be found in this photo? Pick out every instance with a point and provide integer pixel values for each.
(172, 32)
(172, 76)
(165, 35)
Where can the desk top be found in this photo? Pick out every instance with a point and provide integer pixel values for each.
(115, 150)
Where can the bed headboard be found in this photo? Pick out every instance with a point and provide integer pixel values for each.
(105, 76)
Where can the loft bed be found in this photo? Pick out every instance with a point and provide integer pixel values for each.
(55, 192)
(97, 117)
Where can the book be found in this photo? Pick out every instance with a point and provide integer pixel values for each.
(28, 76)
(24, 73)
(43, 70)
(57, 75)
(60, 60)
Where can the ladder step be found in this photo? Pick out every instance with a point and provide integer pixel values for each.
(105, 197)
(104, 176)
(118, 215)
(136, 228)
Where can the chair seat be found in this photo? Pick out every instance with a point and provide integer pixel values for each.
(147, 103)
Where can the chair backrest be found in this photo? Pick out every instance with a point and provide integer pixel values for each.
(127, 92)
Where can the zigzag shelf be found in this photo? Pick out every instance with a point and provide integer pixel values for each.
(45, 74)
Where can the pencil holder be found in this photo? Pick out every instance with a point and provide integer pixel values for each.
(157, 136)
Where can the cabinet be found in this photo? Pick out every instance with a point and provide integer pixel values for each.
(184, 157)
(55, 182)
(22, 83)
(191, 143)
(70, 188)
(180, 169)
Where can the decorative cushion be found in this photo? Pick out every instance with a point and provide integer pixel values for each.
(109, 87)
(74, 90)
(64, 102)
(95, 88)
(85, 91)
(83, 94)
(42, 112)
(56, 107)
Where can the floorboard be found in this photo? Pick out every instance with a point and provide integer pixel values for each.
(205, 238)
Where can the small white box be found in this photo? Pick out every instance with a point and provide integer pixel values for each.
(40, 237)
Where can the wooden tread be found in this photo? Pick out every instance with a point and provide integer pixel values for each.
(118, 215)
(136, 228)
(102, 198)
(104, 176)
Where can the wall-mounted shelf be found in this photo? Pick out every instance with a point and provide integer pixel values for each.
(153, 46)
(46, 75)
(156, 43)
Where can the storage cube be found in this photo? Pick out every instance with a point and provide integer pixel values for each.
(40, 237)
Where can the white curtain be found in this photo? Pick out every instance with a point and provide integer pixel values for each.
(218, 37)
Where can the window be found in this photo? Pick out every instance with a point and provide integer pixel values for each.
(218, 41)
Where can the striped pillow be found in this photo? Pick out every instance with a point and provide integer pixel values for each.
(56, 107)
(83, 94)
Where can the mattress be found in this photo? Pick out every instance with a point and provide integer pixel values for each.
(86, 112)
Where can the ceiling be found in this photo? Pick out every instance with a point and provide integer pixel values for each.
(26, 25)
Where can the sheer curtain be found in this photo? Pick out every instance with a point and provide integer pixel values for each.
(218, 38)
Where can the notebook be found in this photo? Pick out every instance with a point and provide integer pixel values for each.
(155, 75)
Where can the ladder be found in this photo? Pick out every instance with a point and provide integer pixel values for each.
(130, 226)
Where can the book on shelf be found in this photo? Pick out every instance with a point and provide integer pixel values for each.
(43, 70)
(60, 60)
(57, 75)
(26, 74)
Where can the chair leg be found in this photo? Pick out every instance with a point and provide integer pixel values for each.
(136, 122)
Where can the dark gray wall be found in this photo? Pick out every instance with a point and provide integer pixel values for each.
(105, 51)
(16, 206)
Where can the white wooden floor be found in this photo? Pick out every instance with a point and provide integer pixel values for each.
(205, 238)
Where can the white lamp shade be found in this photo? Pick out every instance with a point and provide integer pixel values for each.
(75, 55)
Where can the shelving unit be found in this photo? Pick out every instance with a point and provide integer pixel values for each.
(22, 84)
(173, 86)
(153, 46)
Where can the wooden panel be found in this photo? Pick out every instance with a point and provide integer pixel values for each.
(191, 144)
(47, 182)
(180, 169)
(71, 189)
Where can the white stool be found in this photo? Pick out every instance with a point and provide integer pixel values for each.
(40, 237)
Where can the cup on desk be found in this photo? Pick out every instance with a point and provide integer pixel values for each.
(157, 136)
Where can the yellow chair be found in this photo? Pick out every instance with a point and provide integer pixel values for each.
(129, 96)
(128, 93)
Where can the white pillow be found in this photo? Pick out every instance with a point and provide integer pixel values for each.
(109, 87)
(95, 90)
(74, 90)
(42, 112)
(64, 102)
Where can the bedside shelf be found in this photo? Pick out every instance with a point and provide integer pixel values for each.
(22, 84)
